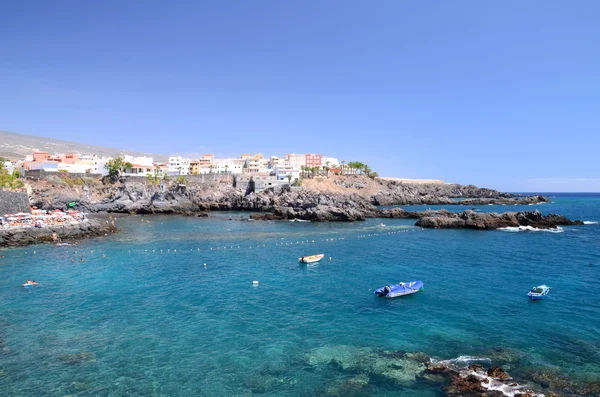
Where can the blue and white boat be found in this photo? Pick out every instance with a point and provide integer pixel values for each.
(539, 292)
(400, 289)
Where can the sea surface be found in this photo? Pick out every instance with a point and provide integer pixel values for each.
(168, 307)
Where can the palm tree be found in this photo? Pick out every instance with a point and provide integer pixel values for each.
(211, 168)
(343, 162)
(366, 169)
(226, 167)
(359, 166)
(289, 178)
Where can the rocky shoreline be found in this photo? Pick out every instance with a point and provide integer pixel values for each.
(350, 193)
(15, 237)
(443, 219)
(343, 199)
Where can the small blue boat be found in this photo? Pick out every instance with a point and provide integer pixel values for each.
(400, 289)
(539, 292)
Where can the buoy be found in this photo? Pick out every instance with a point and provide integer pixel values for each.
(255, 283)
(205, 265)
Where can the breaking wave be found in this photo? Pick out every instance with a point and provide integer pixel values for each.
(531, 229)
(590, 222)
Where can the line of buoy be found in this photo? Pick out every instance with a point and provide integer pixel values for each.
(282, 243)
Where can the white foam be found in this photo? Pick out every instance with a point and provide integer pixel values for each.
(466, 360)
(590, 222)
(508, 389)
(531, 229)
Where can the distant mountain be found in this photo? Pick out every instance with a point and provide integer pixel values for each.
(16, 146)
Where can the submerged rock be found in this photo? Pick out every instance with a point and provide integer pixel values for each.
(77, 358)
(399, 368)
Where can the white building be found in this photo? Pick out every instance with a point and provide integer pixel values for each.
(282, 174)
(179, 165)
(8, 166)
(229, 165)
(48, 166)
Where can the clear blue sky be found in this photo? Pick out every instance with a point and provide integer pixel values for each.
(499, 94)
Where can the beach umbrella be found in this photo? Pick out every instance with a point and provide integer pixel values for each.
(12, 218)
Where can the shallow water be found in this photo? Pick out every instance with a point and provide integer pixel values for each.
(142, 322)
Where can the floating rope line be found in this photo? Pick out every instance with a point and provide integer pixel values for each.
(233, 247)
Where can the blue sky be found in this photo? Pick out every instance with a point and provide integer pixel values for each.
(499, 94)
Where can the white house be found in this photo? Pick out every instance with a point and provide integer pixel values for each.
(8, 166)
(179, 165)
(282, 174)
(229, 165)
(48, 166)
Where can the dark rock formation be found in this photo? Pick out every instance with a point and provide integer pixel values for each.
(475, 380)
(136, 195)
(401, 193)
(476, 220)
(32, 235)
(498, 373)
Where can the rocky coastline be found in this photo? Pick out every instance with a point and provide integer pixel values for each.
(343, 199)
(22, 236)
(349, 198)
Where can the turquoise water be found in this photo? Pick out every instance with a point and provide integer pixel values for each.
(141, 322)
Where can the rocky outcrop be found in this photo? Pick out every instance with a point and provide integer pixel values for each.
(400, 193)
(485, 221)
(32, 235)
(476, 381)
(350, 199)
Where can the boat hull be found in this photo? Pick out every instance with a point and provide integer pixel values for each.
(535, 296)
(311, 259)
(400, 289)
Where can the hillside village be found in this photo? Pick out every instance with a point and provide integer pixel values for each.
(290, 167)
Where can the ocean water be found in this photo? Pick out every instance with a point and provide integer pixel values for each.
(143, 316)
